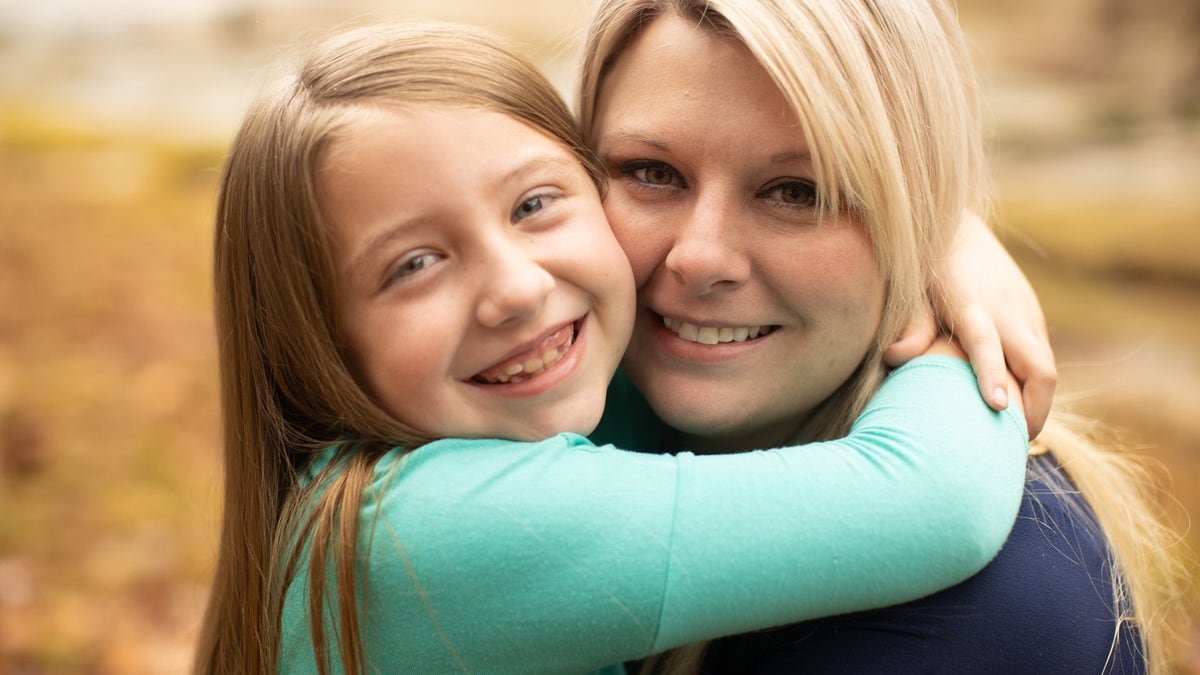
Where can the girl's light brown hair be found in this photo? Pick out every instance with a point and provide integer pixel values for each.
(886, 98)
(287, 390)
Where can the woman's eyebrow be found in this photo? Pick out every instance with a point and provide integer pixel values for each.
(789, 157)
(630, 137)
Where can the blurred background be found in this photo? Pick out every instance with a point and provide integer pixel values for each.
(114, 117)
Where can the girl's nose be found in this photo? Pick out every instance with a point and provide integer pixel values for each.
(515, 289)
(706, 256)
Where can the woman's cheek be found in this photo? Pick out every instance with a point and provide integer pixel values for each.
(644, 236)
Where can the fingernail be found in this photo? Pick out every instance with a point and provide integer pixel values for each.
(1000, 395)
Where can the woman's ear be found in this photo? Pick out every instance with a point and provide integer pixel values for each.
(913, 341)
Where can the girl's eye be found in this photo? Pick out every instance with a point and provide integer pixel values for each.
(528, 208)
(412, 265)
(654, 173)
(792, 193)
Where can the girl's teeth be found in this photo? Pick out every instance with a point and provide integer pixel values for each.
(519, 371)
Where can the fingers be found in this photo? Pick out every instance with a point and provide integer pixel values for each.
(913, 341)
(1025, 352)
(980, 338)
(1032, 362)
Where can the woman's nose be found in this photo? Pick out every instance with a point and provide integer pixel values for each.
(514, 288)
(706, 256)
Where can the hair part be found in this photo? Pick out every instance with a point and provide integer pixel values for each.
(288, 389)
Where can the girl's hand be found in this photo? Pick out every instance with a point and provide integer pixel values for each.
(949, 347)
(985, 302)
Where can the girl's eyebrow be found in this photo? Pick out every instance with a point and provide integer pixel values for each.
(360, 258)
(536, 163)
(523, 170)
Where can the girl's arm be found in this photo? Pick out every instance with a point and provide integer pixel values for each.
(984, 300)
(559, 556)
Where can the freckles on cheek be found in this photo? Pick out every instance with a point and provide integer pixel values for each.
(831, 274)
(835, 276)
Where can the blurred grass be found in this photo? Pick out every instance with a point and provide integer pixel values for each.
(1155, 242)
(109, 463)
(108, 410)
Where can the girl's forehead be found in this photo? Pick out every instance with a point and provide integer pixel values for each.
(360, 115)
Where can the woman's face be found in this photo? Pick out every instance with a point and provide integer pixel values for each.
(480, 290)
(751, 310)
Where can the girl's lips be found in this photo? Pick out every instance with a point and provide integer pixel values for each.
(533, 361)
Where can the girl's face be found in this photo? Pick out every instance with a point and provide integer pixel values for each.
(751, 311)
(481, 292)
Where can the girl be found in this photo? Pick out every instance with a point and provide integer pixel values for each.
(410, 246)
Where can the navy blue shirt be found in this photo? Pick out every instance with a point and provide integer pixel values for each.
(1044, 605)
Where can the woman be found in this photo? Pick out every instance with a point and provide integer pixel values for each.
(795, 171)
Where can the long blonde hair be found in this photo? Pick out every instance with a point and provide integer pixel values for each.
(287, 391)
(887, 99)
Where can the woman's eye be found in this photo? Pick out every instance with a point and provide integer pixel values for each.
(792, 193)
(528, 208)
(654, 173)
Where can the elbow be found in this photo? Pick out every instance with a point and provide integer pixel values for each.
(982, 525)
(984, 488)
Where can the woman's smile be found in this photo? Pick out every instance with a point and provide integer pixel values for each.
(713, 335)
(755, 304)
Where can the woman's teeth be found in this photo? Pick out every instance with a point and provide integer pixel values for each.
(524, 366)
(711, 335)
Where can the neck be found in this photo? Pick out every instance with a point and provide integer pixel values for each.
(779, 434)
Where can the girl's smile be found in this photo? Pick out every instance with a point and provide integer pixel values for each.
(527, 363)
(481, 292)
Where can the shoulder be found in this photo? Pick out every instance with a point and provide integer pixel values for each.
(951, 383)
(1048, 591)
(477, 456)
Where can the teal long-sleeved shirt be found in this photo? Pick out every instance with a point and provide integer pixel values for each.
(559, 556)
